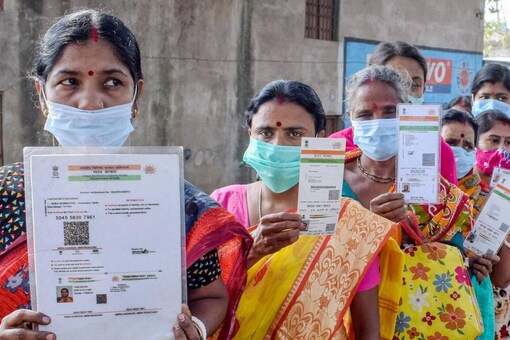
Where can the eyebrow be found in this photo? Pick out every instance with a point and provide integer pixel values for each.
(103, 72)
(267, 127)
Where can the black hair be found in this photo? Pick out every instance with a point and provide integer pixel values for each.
(491, 73)
(463, 117)
(81, 26)
(386, 50)
(289, 91)
(464, 101)
(487, 119)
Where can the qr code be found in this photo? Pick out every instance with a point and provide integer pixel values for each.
(76, 233)
(330, 227)
(334, 194)
(101, 299)
(504, 227)
(429, 159)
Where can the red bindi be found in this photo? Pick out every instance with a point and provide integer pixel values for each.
(91, 73)
(461, 135)
(95, 34)
(278, 124)
(281, 99)
(374, 107)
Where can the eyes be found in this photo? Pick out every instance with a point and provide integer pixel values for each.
(495, 141)
(387, 112)
(268, 133)
(501, 97)
(74, 82)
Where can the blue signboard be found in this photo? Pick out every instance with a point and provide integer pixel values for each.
(450, 72)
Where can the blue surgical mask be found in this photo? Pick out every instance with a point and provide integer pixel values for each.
(276, 165)
(71, 126)
(414, 100)
(490, 104)
(377, 138)
(464, 160)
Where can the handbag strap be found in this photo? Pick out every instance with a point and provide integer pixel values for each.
(410, 224)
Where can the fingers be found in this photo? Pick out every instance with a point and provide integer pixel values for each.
(281, 216)
(186, 311)
(493, 258)
(185, 329)
(481, 267)
(25, 334)
(391, 206)
(20, 316)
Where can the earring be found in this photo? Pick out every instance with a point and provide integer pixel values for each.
(45, 113)
(134, 113)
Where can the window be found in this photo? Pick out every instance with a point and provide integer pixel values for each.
(321, 19)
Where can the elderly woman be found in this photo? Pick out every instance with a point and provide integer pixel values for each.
(407, 58)
(89, 79)
(372, 97)
(302, 286)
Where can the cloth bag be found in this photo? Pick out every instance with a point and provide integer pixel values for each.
(438, 300)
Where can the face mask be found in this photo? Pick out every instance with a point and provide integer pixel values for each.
(377, 138)
(110, 126)
(464, 160)
(487, 160)
(276, 165)
(414, 100)
(490, 104)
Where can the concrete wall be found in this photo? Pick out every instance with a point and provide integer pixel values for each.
(204, 59)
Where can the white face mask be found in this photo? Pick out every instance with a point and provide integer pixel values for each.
(110, 126)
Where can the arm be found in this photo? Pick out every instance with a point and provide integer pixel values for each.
(14, 326)
(501, 272)
(365, 314)
(208, 304)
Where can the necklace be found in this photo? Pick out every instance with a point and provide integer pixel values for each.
(383, 180)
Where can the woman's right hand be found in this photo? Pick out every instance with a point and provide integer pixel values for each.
(17, 325)
(274, 232)
(389, 205)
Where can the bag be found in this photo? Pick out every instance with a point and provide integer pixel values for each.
(437, 298)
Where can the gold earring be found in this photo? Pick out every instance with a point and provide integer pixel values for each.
(45, 113)
(134, 113)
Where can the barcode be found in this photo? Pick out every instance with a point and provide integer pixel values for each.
(504, 227)
(101, 299)
(330, 227)
(334, 194)
(76, 233)
(428, 159)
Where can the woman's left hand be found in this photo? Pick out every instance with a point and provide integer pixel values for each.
(482, 266)
(185, 329)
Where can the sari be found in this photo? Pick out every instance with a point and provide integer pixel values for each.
(208, 227)
(477, 190)
(304, 290)
(445, 221)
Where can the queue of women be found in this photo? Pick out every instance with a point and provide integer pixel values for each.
(88, 76)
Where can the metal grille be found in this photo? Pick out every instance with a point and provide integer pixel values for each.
(321, 19)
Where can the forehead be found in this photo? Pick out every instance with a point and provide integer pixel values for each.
(288, 114)
(375, 92)
(88, 55)
(407, 64)
(488, 87)
(456, 129)
(499, 129)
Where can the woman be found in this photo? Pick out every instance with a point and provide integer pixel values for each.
(88, 76)
(372, 96)
(406, 57)
(461, 103)
(491, 89)
(460, 130)
(493, 151)
(299, 289)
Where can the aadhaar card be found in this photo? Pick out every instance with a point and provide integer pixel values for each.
(500, 175)
(492, 225)
(418, 153)
(320, 183)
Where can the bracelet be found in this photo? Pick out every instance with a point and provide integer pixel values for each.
(507, 243)
(199, 325)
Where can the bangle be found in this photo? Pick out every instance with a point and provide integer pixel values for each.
(199, 325)
(507, 243)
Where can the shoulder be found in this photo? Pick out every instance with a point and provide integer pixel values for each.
(12, 176)
(225, 193)
(196, 203)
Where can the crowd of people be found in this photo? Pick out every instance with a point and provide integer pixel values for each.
(263, 280)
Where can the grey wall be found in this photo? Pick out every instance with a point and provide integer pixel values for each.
(204, 59)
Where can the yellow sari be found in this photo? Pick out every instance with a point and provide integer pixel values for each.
(304, 290)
